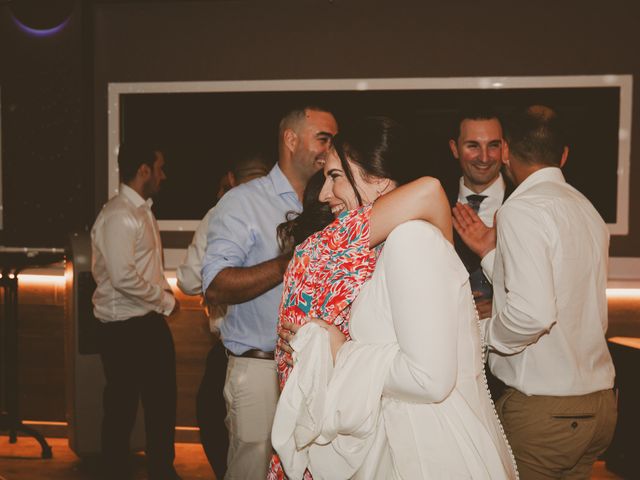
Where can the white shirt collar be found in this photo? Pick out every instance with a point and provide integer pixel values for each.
(494, 191)
(546, 174)
(133, 196)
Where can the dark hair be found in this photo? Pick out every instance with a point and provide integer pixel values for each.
(294, 117)
(131, 155)
(535, 135)
(251, 164)
(314, 217)
(477, 111)
(378, 146)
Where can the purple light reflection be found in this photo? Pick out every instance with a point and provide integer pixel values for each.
(40, 32)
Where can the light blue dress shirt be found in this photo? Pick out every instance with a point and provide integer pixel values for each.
(242, 233)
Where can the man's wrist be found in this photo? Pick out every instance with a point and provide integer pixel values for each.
(283, 262)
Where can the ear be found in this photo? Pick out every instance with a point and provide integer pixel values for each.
(231, 178)
(144, 171)
(565, 155)
(505, 153)
(290, 139)
(454, 148)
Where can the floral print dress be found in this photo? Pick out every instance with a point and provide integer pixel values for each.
(322, 280)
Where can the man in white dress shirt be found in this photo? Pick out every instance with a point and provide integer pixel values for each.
(131, 301)
(477, 145)
(210, 407)
(546, 337)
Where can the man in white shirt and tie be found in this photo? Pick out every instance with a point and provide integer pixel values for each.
(131, 301)
(548, 266)
(477, 145)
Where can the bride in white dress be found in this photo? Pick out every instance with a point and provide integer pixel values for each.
(407, 397)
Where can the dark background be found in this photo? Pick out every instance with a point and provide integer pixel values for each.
(200, 132)
(54, 89)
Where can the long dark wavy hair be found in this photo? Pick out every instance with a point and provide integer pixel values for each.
(314, 217)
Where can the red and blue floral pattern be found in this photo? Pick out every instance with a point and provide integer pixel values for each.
(323, 278)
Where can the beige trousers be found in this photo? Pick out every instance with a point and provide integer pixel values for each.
(557, 437)
(250, 393)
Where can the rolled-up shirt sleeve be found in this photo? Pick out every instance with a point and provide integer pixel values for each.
(189, 273)
(230, 237)
(529, 309)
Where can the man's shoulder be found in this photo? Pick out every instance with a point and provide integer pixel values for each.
(117, 209)
(258, 187)
(451, 189)
(116, 205)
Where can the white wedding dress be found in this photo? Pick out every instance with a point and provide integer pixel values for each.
(407, 398)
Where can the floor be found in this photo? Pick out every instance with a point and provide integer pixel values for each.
(21, 461)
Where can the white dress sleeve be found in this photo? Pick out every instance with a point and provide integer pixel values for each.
(423, 277)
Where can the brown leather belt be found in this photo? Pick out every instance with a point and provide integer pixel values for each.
(253, 353)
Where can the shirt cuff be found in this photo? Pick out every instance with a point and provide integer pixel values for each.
(167, 303)
(188, 280)
(487, 264)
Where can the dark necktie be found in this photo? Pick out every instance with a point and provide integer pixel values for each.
(479, 283)
(475, 201)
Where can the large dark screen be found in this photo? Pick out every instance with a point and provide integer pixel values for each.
(202, 132)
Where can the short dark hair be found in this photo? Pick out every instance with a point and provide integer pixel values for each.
(251, 164)
(477, 111)
(133, 154)
(535, 135)
(296, 115)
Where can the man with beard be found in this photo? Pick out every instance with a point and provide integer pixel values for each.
(131, 301)
(243, 269)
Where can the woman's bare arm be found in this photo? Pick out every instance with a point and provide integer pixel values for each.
(422, 199)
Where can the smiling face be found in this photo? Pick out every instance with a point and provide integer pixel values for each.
(479, 151)
(338, 192)
(313, 142)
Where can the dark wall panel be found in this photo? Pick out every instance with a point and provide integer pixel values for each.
(247, 40)
(47, 182)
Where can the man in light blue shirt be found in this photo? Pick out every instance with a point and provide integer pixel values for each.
(243, 267)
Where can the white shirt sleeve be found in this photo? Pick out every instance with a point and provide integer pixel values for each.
(530, 305)
(423, 282)
(188, 273)
(117, 244)
(487, 264)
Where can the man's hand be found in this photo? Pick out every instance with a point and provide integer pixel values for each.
(288, 330)
(176, 308)
(474, 233)
(483, 306)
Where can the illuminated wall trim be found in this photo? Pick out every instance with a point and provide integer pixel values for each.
(56, 277)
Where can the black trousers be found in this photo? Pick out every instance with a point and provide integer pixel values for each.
(139, 361)
(211, 410)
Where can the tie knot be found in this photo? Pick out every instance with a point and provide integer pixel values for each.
(475, 201)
